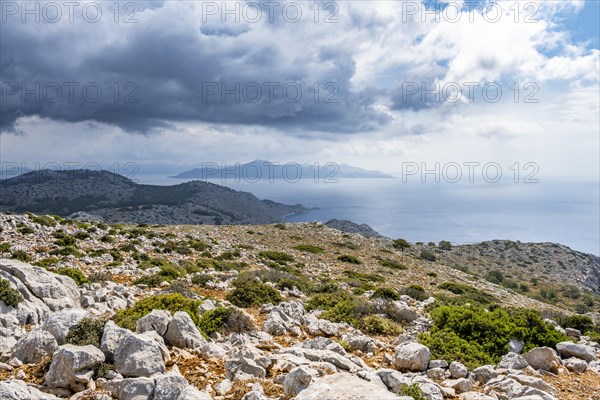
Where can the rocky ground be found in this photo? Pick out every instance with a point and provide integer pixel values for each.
(149, 312)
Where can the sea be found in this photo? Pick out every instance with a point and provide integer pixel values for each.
(559, 211)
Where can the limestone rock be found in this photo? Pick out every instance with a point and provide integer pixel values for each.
(543, 358)
(139, 356)
(34, 346)
(581, 351)
(344, 386)
(513, 361)
(157, 320)
(111, 338)
(72, 367)
(182, 332)
(58, 324)
(411, 357)
(19, 390)
(457, 370)
(298, 379)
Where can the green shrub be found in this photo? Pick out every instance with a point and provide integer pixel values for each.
(44, 220)
(467, 294)
(24, 229)
(413, 391)
(401, 244)
(580, 322)
(87, 332)
(385, 293)
(495, 276)
(66, 251)
(277, 256)
(445, 245)
(201, 279)
(447, 345)
(74, 274)
(127, 318)
(393, 264)
(153, 280)
(416, 292)
(225, 321)
(107, 239)
(307, 248)
(253, 293)
(427, 255)
(11, 297)
(482, 336)
(81, 235)
(376, 325)
(4, 247)
(46, 262)
(349, 259)
(21, 255)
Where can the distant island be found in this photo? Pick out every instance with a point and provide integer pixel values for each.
(110, 197)
(267, 170)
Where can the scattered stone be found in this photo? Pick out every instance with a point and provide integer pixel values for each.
(576, 365)
(34, 346)
(543, 358)
(484, 374)
(411, 357)
(298, 379)
(515, 346)
(59, 323)
(19, 390)
(438, 364)
(457, 370)
(139, 356)
(72, 367)
(459, 385)
(344, 386)
(513, 361)
(157, 320)
(111, 338)
(581, 351)
(182, 332)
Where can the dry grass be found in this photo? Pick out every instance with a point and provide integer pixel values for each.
(574, 386)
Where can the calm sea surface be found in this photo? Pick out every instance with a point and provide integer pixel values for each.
(549, 211)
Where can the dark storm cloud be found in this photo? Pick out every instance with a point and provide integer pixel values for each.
(169, 67)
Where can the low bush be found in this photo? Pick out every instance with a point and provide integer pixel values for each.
(253, 293)
(466, 294)
(417, 292)
(385, 293)
(74, 274)
(482, 336)
(225, 320)
(413, 391)
(4, 247)
(393, 264)
(580, 322)
(43, 220)
(276, 256)
(427, 255)
(307, 248)
(127, 318)
(201, 279)
(67, 251)
(21, 255)
(349, 259)
(11, 297)
(87, 332)
(24, 229)
(445, 245)
(376, 325)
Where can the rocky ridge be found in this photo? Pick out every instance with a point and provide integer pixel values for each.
(292, 352)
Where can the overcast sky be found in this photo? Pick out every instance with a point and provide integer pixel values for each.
(169, 85)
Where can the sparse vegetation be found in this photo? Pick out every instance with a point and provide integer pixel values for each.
(349, 259)
(427, 255)
(253, 293)
(277, 257)
(74, 274)
(307, 248)
(225, 320)
(127, 318)
(11, 297)
(87, 332)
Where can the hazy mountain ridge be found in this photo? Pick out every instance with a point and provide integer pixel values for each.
(265, 170)
(119, 199)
